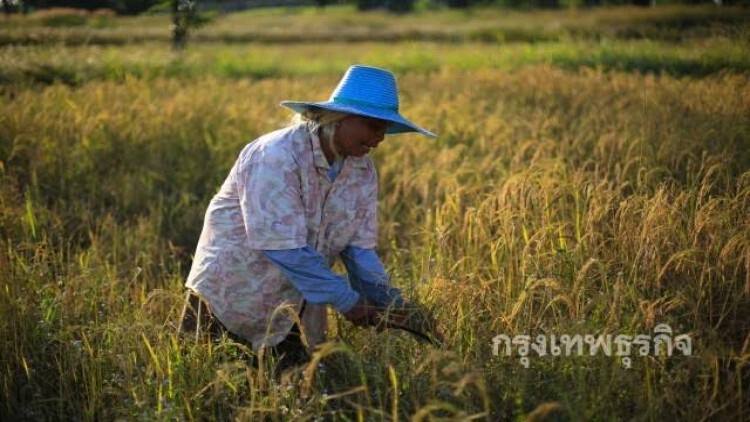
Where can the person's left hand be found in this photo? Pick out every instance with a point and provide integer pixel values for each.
(363, 314)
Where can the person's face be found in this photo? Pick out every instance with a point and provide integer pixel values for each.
(357, 135)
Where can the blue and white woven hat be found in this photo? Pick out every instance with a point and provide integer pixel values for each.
(365, 91)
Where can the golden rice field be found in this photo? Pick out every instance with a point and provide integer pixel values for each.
(593, 187)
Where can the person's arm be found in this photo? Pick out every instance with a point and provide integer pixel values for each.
(309, 273)
(368, 276)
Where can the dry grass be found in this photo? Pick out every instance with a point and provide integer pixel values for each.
(554, 202)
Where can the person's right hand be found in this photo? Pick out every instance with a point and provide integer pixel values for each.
(363, 314)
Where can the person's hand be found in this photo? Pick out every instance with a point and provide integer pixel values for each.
(410, 317)
(363, 314)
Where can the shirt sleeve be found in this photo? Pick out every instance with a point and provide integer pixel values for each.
(367, 275)
(308, 272)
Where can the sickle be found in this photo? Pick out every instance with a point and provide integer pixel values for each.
(418, 334)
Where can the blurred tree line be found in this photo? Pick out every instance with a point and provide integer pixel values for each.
(125, 7)
(410, 5)
(133, 7)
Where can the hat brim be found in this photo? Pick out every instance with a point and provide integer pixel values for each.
(398, 123)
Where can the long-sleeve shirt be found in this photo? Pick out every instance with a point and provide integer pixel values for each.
(277, 196)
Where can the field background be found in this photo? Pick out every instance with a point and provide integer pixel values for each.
(592, 176)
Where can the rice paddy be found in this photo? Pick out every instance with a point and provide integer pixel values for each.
(586, 181)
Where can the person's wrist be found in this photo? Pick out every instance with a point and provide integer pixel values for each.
(362, 314)
(357, 311)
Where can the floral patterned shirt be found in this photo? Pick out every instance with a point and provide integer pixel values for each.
(278, 196)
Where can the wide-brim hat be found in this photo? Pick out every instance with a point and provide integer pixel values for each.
(365, 91)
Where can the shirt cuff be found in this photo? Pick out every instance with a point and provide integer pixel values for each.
(347, 303)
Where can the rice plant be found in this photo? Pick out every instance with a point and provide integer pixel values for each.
(558, 200)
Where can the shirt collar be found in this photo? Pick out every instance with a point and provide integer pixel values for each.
(318, 156)
(358, 162)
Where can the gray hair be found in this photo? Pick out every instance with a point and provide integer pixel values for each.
(318, 118)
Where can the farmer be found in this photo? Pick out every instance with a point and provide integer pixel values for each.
(295, 200)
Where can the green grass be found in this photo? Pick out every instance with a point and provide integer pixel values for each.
(78, 65)
(576, 187)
